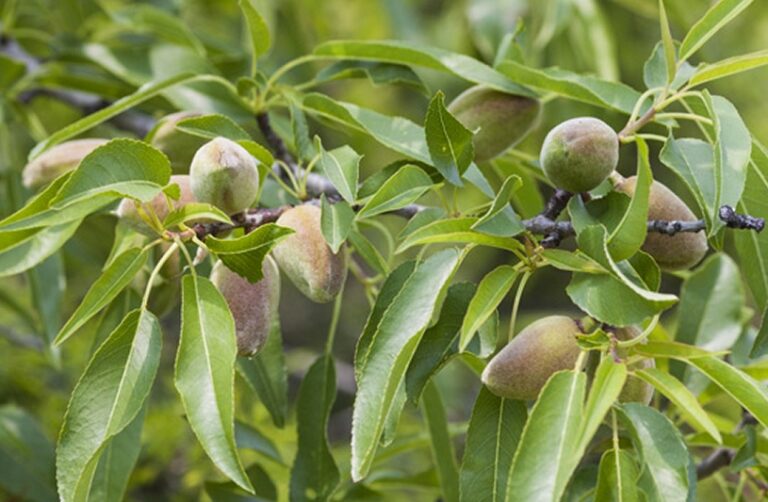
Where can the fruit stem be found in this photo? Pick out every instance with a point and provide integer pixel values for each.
(334, 321)
(156, 271)
(515, 307)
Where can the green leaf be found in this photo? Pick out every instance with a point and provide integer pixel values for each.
(440, 342)
(390, 351)
(113, 280)
(304, 146)
(266, 375)
(106, 399)
(663, 451)
(123, 168)
(264, 488)
(396, 133)
(500, 219)
(672, 350)
(404, 187)
(617, 478)
(715, 283)
(411, 54)
(145, 92)
(23, 249)
(612, 297)
(683, 399)
(47, 284)
(314, 470)
(117, 462)
(628, 236)
(443, 453)
(11, 72)
(752, 247)
(740, 386)
(377, 73)
(490, 292)
(605, 389)
(545, 457)
(26, 457)
(587, 89)
(258, 31)
(205, 371)
(336, 221)
(456, 230)
(368, 252)
(720, 14)
(492, 439)
(571, 262)
(449, 142)
(195, 212)
(667, 42)
(389, 290)
(693, 161)
(244, 255)
(212, 126)
(342, 167)
(731, 66)
(733, 147)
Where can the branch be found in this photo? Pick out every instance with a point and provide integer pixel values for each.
(721, 457)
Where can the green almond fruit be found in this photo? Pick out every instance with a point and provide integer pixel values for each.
(177, 145)
(579, 154)
(306, 258)
(500, 120)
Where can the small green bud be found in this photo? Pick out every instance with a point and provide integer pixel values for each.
(672, 252)
(225, 175)
(500, 120)
(523, 366)
(60, 159)
(306, 258)
(177, 145)
(579, 154)
(253, 305)
(128, 211)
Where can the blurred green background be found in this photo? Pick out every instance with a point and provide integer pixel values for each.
(609, 38)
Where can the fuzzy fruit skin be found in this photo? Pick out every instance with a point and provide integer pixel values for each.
(253, 305)
(523, 366)
(306, 258)
(501, 120)
(578, 154)
(127, 208)
(671, 252)
(225, 175)
(635, 389)
(60, 159)
(177, 145)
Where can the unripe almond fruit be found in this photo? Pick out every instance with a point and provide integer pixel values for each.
(225, 175)
(178, 146)
(671, 252)
(579, 154)
(60, 159)
(523, 366)
(501, 120)
(306, 258)
(128, 211)
(253, 305)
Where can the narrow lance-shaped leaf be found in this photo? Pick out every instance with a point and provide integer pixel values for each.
(667, 42)
(244, 255)
(720, 14)
(630, 233)
(682, 398)
(336, 221)
(314, 470)
(257, 30)
(449, 142)
(617, 478)
(342, 167)
(113, 280)
(391, 348)
(443, 453)
(401, 189)
(456, 230)
(213, 125)
(107, 398)
(545, 457)
(500, 219)
(490, 292)
(23, 249)
(731, 66)
(606, 386)
(492, 439)
(205, 372)
(266, 375)
(663, 451)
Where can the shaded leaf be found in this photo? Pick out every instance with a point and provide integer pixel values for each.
(443, 453)
(490, 292)
(449, 142)
(244, 255)
(336, 221)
